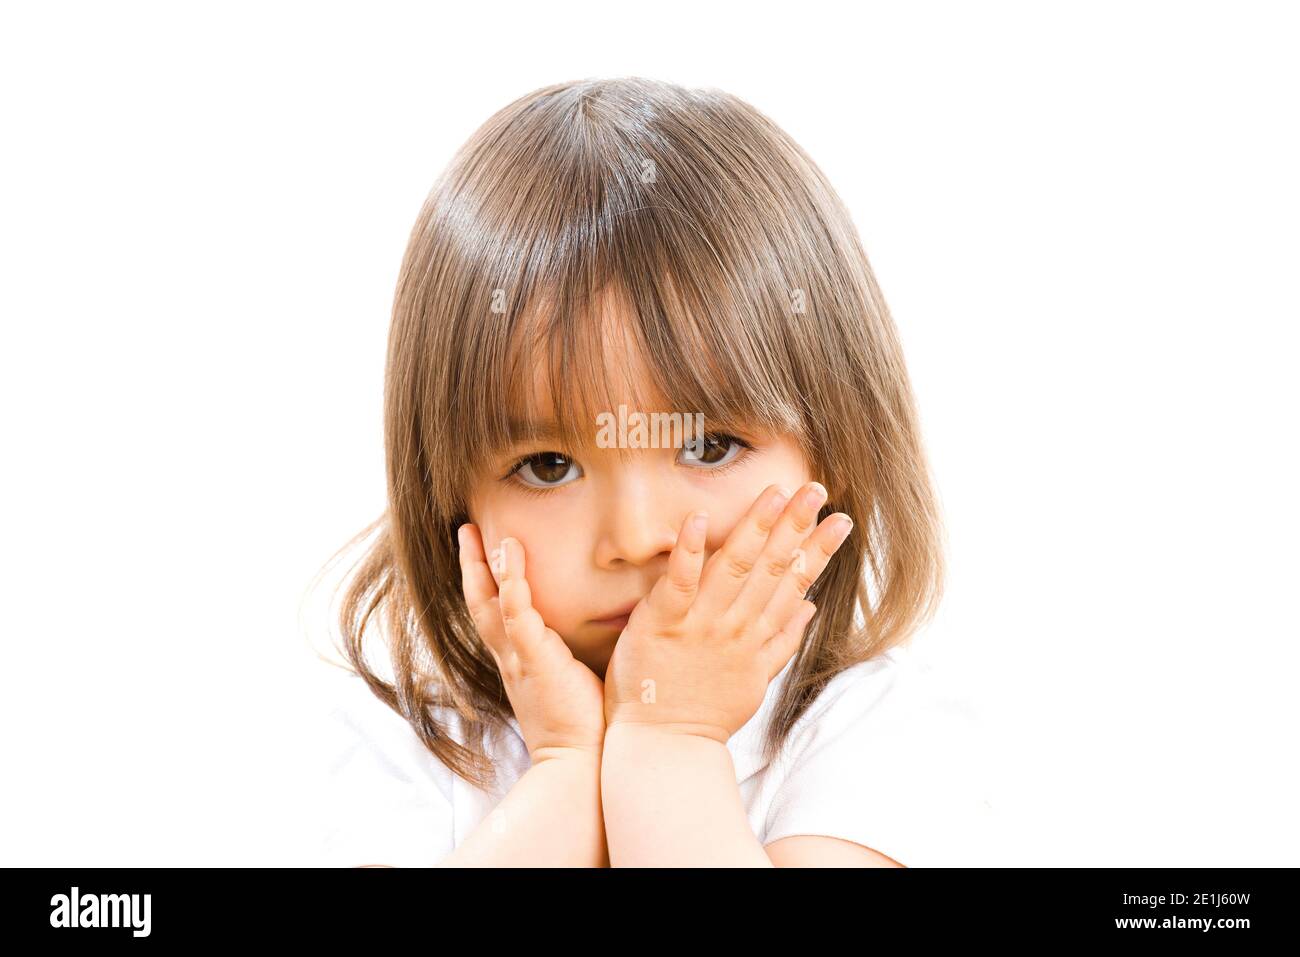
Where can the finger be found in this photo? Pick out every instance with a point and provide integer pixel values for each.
(675, 591)
(776, 654)
(476, 579)
(800, 576)
(782, 552)
(480, 589)
(524, 628)
(726, 572)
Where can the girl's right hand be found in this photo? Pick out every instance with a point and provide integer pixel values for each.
(558, 701)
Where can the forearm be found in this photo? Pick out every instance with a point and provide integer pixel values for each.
(671, 800)
(550, 818)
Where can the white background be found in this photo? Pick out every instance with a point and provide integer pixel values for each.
(1083, 216)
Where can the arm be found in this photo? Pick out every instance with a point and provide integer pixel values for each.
(646, 772)
(816, 850)
(671, 799)
(550, 818)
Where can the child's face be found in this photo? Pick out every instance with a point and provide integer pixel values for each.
(597, 531)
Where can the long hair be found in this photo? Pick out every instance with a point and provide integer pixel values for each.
(751, 298)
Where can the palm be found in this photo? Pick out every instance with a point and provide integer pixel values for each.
(571, 681)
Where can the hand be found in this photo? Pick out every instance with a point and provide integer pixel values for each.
(558, 701)
(699, 651)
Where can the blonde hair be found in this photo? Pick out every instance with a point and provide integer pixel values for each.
(750, 296)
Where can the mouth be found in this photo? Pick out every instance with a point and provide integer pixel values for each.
(617, 618)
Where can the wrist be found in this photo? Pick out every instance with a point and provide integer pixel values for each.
(666, 731)
(575, 755)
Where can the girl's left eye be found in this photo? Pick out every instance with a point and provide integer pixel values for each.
(717, 452)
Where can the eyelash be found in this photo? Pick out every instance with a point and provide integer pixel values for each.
(731, 439)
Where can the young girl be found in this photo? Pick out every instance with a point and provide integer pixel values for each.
(601, 650)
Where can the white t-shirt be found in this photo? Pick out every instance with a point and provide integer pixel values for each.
(887, 756)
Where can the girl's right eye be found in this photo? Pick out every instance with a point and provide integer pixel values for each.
(546, 470)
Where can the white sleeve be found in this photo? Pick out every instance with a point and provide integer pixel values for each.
(891, 761)
(383, 798)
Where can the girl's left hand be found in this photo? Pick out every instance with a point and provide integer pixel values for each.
(699, 651)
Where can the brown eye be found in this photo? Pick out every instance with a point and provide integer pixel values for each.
(715, 451)
(547, 470)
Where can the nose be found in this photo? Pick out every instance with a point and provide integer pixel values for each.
(638, 522)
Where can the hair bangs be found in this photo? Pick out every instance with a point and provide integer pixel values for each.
(611, 339)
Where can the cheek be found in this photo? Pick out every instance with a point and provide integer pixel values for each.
(728, 507)
(550, 579)
(724, 516)
(496, 517)
(545, 556)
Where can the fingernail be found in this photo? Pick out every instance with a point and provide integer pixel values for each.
(815, 495)
(843, 526)
(700, 521)
(779, 502)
